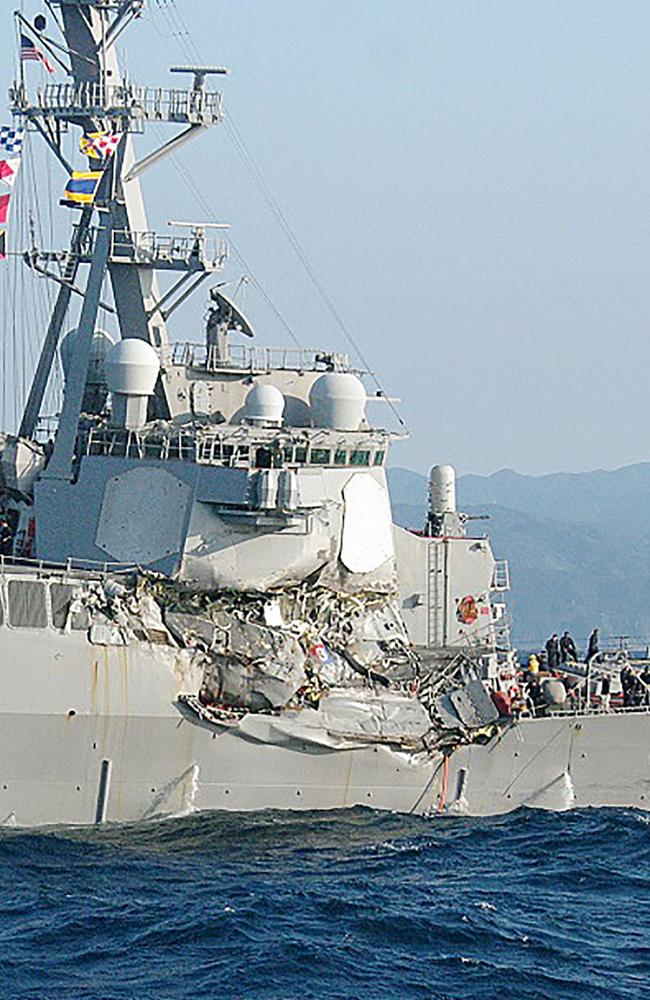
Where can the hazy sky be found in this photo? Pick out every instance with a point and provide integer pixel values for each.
(470, 181)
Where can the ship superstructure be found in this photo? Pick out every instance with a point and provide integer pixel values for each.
(204, 602)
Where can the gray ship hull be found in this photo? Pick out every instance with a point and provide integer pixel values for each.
(92, 733)
(209, 525)
(561, 762)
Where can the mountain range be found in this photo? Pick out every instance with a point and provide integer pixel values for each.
(578, 545)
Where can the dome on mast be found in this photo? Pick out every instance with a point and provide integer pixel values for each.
(338, 401)
(95, 393)
(101, 345)
(132, 368)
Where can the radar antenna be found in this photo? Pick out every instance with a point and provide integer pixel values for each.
(200, 73)
(223, 318)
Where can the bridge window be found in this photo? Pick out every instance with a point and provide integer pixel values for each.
(379, 457)
(340, 458)
(27, 604)
(320, 456)
(61, 596)
(360, 458)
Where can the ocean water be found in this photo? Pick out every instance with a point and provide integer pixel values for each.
(340, 905)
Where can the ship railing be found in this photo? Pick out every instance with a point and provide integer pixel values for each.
(125, 101)
(495, 633)
(46, 428)
(583, 711)
(164, 252)
(237, 446)
(107, 442)
(13, 564)
(231, 449)
(256, 359)
(213, 449)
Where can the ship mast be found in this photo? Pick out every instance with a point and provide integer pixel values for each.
(112, 236)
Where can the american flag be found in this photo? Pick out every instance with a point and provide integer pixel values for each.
(29, 52)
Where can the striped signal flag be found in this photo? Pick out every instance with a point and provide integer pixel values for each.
(82, 187)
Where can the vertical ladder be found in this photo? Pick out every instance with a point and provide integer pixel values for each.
(501, 576)
(436, 592)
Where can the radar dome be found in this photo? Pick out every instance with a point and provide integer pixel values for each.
(264, 405)
(338, 401)
(132, 368)
(101, 345)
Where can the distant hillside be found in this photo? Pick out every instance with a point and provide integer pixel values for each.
(620, 498)
(578, 544)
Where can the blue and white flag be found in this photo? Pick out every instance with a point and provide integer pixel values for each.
(11, 141)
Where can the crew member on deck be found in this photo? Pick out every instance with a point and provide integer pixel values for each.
(594, 647)
(627, 685)
(568, 649)
(605, 692)
(645, 680)
(553, 652)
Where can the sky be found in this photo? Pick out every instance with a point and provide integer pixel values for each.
(469, 181)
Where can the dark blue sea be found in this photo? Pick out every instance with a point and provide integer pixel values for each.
(342, 905)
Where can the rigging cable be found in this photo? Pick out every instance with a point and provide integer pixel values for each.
(179, 31)
(210, 211)
(39, 227)
(170, 9)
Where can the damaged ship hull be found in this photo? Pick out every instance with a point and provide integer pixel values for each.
(90, 735)
(204, 601)
(120, 747)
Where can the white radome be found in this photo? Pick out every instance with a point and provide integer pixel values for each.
(132, 368)
(338, 401)
(264, 405)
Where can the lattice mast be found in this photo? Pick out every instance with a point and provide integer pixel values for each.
(112, 235)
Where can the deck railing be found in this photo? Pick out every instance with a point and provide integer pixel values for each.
(256, 359)
(124, 100)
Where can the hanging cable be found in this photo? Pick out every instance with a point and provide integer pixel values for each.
(210, 212)
(183, 34)
(258, 179)
(179, 31)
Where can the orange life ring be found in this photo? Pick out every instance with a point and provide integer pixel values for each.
(467, 610)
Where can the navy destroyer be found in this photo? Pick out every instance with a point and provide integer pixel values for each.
(204, 601)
